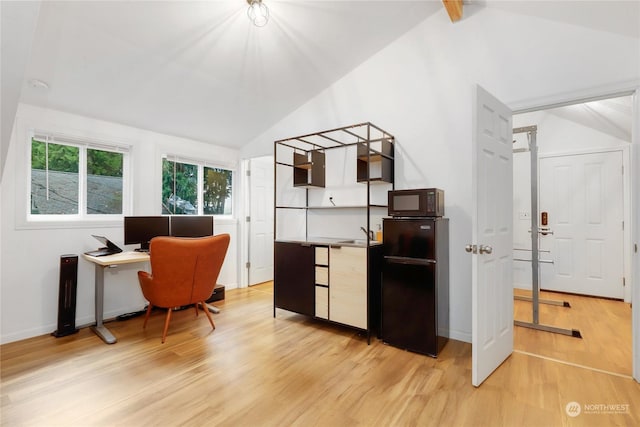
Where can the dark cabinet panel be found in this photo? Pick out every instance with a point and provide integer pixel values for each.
(294, 277)
(375, 289)
(375, 164)
(309, 169)
(409, 316)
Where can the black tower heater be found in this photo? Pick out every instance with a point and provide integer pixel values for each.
(67, 296)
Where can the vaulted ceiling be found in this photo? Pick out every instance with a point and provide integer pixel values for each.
(201, 70)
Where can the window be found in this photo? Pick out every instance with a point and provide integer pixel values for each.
(76, 179)
(104, 182)
(55, 179)
(195, 188)
(217, 191)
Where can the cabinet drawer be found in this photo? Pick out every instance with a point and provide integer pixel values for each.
(322, 302)
(322, 255)
(322, 275)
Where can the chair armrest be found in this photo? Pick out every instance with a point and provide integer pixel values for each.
(146, 284)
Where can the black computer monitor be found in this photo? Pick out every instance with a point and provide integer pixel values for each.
(141, 229)
(191, 226)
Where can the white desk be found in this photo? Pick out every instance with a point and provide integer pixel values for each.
(100, 264)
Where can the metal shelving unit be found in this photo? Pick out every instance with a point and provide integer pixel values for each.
(375, 151)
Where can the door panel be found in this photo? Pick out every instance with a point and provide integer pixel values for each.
(492, 287)
(348, 286)
(583, 195)
(294, 287)
(409, 299)
(261, 224)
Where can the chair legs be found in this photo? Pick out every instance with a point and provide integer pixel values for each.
(149, 308)
(168, 318)
(166, 324)
(204, 308)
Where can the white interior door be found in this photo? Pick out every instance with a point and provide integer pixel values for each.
(261, 220)
(492, 287)
(583, 196)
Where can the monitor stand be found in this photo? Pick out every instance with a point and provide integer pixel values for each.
(144, 247)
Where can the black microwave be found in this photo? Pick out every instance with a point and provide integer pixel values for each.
(418, 202)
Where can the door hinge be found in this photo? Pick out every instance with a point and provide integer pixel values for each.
(248, 264)
(248, 172)
(635, 247)
(624, 282)
(247, 219)
(623, 225)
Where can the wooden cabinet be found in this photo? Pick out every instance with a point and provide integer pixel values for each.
(309, 169)
(322, 281)
(348, 286)
(322, 302)
(294, 277)
(375, 161)
(337, 283)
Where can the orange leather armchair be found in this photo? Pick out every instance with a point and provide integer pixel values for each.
(184, 271)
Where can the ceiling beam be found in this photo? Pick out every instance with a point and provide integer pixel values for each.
(454, 9)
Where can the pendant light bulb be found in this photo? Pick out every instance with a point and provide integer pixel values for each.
(258, 13)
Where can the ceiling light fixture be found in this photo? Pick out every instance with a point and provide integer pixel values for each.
(258, 13)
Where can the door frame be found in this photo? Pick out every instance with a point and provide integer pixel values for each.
(594, 94)
(245, 211)
(626, 203)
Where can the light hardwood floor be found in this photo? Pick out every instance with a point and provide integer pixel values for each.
(605, 326)
(254, 370)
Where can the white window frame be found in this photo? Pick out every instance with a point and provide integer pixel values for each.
(201, 164)
(82, 218)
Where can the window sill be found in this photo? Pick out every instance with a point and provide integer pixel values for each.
(71, 223)
(224, 220)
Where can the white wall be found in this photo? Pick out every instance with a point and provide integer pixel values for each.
(419, 88)
(18, 21)
(30, 255)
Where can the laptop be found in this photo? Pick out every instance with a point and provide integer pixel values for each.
(110, 248)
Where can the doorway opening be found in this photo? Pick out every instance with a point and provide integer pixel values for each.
(582, 190)
(259, 220)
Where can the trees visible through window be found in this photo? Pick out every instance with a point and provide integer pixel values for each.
(54, 178)
(217, 191)
(195, 189)
(104, 182)
(73, 179)
(179, 188)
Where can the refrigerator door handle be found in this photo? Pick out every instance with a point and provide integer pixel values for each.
(410, 261)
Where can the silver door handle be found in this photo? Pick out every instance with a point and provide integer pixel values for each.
(471, 248)
(543, 231)
(485, 249)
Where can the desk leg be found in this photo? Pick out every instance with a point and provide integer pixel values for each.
(100, 329)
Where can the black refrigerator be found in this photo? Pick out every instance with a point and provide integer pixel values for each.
(415, 284)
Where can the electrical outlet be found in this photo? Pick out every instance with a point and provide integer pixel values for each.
(524, 215)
